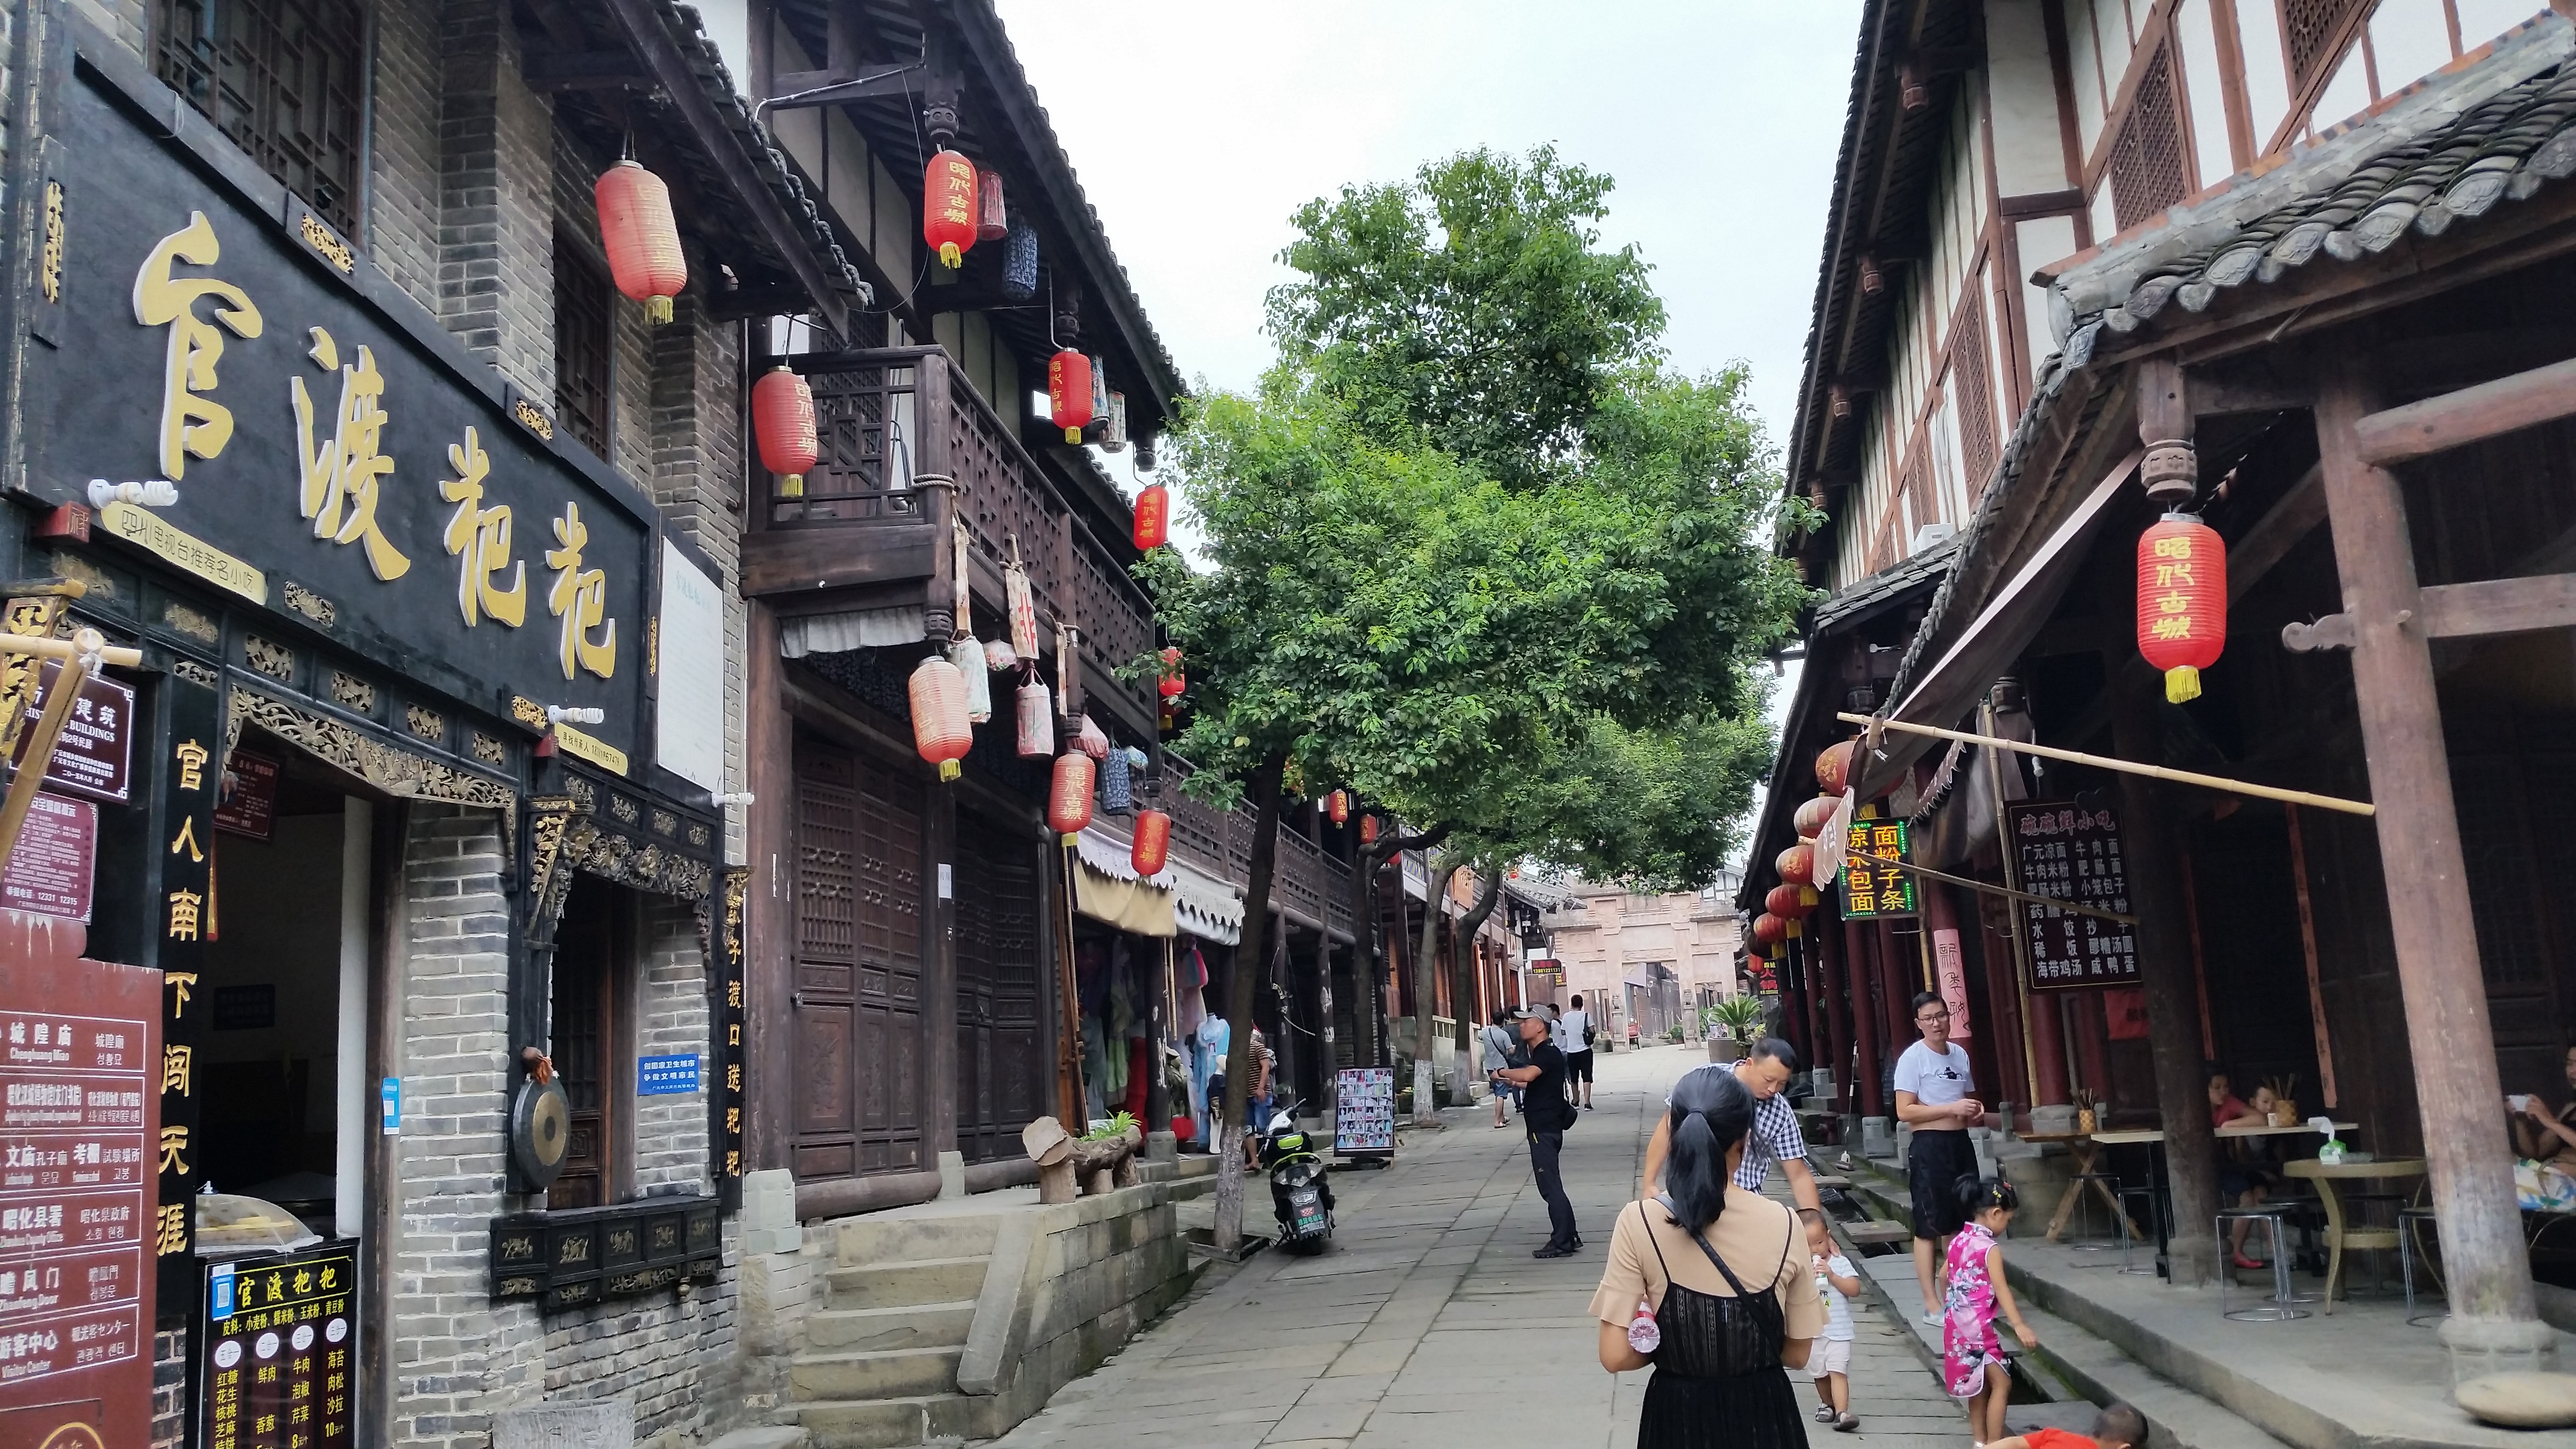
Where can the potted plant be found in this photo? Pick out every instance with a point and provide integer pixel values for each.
(1732, 1025)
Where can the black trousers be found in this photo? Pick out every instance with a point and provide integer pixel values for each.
(1544, 1149)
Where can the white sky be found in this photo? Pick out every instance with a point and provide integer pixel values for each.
(1197, 127)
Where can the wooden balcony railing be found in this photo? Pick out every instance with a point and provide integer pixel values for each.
(1304, 879)
(888, 417)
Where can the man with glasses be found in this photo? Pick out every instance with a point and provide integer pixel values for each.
(1776, 1136)
(1932, 1095)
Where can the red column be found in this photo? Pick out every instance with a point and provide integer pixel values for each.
(1898, 980)
(2048, 1049)
(2092, 1042)
(1860, 969)
(2004, 1005)
(1833, 995)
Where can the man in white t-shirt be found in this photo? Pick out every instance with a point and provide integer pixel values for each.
(1574, 1038)
(1934, 1095)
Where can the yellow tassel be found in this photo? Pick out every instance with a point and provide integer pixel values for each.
(950, 770)
(1807, 896)
(1073, 435)
(1072, 838)
(792, 486)
(657, 310)
(2182, 684)
(1793, 928)
(950, 257)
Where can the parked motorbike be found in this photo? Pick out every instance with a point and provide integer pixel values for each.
(1301, 1190)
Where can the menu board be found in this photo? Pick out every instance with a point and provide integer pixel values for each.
(281, 1350)
(78, 1106)
(2072, 854)
(1874, 889)
(1364, 1112)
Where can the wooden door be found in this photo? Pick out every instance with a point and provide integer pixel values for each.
(1000, 1065)
(857, 1003)
(584, 1036)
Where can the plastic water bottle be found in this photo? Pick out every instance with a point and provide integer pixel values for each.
(1643, 1333)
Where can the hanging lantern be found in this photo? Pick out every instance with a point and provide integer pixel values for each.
(782, 411)
(1833, 768)
(1022, 606)
(1769, 929)
(1783, 902)
(1113, 434)
(1797, 867)
(998, 656)
(1069, 795)
(642, 241)
(1173, 681)
(967, 658)
(1091, 739)
(1036, 722)
(992, 219)
(1117, 784)
(1368, 830)
(1153, 842)
(1338, 806)
(1069, 392)
(1020, 264)
(948, 207)
(1153, 518)
(939, 727)
(1099, 392)
(1811, 817)
(2182, 601)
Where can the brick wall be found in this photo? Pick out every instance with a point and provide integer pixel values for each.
(170, 1406)
(696, 475)
(496, 198)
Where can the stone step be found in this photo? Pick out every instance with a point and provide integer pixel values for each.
(908, 1284)
(896, 1373)
(2099, 1371)
(774, 1436)
(900, 1423)
(929, 1325)
(878, 1238)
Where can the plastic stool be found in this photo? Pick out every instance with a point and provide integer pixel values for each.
(2282, 1304)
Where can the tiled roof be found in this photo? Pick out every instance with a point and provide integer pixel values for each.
(1896, 580)
(2491, 128)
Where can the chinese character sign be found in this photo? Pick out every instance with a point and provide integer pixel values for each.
(281, 1351)
(1873, 886)
(2071, 854)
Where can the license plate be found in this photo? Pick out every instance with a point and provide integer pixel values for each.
(1309, 1207)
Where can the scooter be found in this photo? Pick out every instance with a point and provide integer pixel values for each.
(1301, 1192)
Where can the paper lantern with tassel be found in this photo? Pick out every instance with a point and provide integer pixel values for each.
(1020, 264)
(1069, 392)
(1783, 902)
(1769, 929)
(1368, 830)
(1153, 842)
(1338, 806)
(967, 657)
(1069, 795)
(1833, 768)
(2182, 601)
(1153, 518)
(992, 219)
(1173, 681)
(1811, 817)
(1117, 784)
(939, 727)
(1036, 720)
(1797, 867)
(782, 414)
(1099, 392)
(640, 237)
(948, 204)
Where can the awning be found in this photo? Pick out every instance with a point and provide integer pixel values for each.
(2003, 629)
(1107, 888)
(804, 634)
(1205, 906)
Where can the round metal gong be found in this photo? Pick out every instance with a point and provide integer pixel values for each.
(540, 1130)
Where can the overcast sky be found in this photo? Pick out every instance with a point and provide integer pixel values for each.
(1197, 126)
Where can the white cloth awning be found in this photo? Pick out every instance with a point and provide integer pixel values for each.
(839, 633)
(1208, 908)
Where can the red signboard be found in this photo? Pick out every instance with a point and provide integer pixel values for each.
(49, 872)
(95, 754)
(248, 805)
(80, 1075)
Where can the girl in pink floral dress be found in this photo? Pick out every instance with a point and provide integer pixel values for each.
(1972, 1353)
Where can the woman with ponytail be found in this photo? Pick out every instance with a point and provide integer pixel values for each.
(1710, 1284)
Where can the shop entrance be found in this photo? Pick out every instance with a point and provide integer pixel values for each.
(1000, 1063)
(590, 1027)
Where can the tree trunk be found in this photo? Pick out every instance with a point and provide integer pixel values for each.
(1426, 996)
(1249, 959)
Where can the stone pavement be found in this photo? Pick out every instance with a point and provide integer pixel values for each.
(1427, 1325)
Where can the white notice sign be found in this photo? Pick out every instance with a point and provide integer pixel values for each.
(689, 723)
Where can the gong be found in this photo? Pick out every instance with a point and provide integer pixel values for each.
(540, 1130)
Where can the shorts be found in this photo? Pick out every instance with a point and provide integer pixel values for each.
(1578, 1065)
(1934, 1163)
(1829, 1356)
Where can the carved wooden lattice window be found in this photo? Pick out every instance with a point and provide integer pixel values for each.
(1971, 387)
(2312, 27)
(1924, 508)
(2146, 169)
(581, 346)
(282, 79)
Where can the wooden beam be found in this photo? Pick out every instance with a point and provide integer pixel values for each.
(2498, 606)
(2471, 415)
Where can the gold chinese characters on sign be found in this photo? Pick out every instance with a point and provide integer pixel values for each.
(1873, 884)
(344, 478)
(479, 538)
(192, 423)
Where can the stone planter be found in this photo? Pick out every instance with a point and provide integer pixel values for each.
(1725, 1049)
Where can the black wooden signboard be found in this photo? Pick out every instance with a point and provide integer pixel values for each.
(571, 1259)
(280, 1362)
(2072, 854)
(730, 1097)
(336, 454)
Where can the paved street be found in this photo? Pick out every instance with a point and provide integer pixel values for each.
(1429, 1325)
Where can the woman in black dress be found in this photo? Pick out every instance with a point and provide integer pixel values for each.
(1727, 1276)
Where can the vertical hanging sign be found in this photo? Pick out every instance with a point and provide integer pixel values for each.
(729, 1099)
(190, 769)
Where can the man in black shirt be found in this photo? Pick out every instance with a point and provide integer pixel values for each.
(1546, 1113)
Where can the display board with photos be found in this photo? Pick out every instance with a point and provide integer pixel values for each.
(1364, 1112)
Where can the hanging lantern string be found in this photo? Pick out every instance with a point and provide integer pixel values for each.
(2127, 767)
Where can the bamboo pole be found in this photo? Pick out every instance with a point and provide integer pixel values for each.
(2128, 767)
(67, 649)
(44, 735)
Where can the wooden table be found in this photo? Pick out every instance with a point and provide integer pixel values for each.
(2339, 1236)
(2083, 1147)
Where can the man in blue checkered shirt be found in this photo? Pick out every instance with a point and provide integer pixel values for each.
(1775, 1136)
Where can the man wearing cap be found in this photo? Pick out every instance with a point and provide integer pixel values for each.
(1546, 1113)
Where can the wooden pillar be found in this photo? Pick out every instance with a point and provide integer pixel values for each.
(1833, 990)
(939, 976)
(2486, 1269)
(1794, 993)
(2092, 1032)
(2012, 1073)
(2048, 1049)
(1896, 988)
(1860, 969)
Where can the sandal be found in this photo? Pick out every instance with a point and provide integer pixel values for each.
(1847, 1423)
(1824, 1413)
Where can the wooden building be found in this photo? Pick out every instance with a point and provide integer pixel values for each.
(2285, 267)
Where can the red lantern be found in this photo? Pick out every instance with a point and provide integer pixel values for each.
(1069, 392)
(948, 205)
(940, 730)
(1811, 817)
(1783, 902)
(1769, 929)
(1173, 681)
(1069, 796)
(1153, 842)
(1153, 518)
(782, 411)
(1368, 830)
(992, 222)
(642, 241)
(1797, 867)
(2182, 601)
(1338, 806)
(1833, 768)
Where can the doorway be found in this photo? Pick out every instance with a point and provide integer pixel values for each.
(590, 1036)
